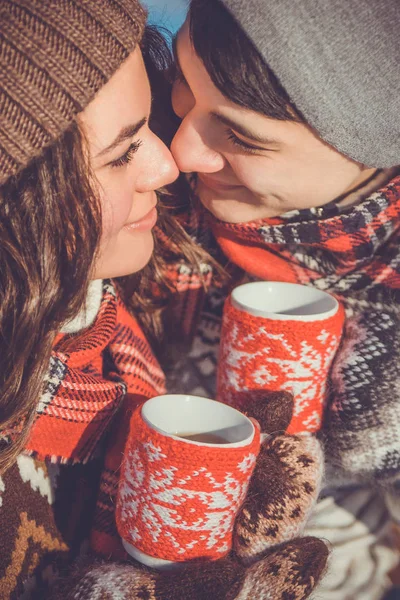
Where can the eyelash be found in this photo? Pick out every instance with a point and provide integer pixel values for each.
(128, 156)
(240, 143)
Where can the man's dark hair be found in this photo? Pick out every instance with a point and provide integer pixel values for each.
(234, 64)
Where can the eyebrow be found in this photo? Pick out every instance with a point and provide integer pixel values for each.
(125, 134)
(243, 130)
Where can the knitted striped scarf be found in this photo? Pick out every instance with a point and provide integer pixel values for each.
(88, 377)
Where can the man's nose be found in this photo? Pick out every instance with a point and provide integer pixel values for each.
(191, 152)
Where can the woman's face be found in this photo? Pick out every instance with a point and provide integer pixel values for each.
(250, 166)
(130, 163)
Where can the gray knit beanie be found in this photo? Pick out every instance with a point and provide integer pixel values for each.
(55, 55)
(339, 62)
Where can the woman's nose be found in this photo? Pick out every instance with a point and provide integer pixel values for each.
(159, 167)
(191, 152)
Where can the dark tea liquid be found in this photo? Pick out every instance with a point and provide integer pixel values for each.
(204, 438)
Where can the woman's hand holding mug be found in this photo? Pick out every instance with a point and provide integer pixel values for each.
(268, 558)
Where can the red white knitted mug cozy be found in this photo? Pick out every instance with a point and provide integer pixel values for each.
(259, 353)
(177, 500)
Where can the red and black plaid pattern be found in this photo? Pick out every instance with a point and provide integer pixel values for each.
(322, 245)
(89, 375)
(181, 275)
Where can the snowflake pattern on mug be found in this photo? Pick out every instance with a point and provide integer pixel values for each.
(258, 354)
(169, 508)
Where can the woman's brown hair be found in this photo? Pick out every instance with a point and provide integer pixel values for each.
(49, 237)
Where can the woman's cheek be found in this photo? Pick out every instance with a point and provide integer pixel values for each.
(116, 205)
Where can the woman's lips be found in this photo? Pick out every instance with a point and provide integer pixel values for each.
(145, 223)
(216, 184)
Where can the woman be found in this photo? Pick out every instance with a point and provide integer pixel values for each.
(290, 125)
(79, 173)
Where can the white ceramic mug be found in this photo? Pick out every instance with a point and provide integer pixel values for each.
(282, 301)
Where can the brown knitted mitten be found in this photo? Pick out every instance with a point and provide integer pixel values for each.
(288, 573)
(285, 483)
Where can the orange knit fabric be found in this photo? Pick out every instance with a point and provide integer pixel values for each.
(178, 500)
(254, 258)
(259, 354)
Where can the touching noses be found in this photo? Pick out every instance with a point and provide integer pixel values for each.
(191, 151)
(160, 169)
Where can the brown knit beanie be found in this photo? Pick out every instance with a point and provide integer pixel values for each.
(55, 55)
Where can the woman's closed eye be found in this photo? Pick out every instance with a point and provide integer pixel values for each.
(127, 156)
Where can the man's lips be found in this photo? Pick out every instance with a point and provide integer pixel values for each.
(145, 223)
(216, 184)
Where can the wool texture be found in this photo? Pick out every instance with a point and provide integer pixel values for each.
(285, 483)
(66, 431)
(287, 477)
(355, 522)
(45, 518)
(353, 251)
(177, 500)
(351, 517)
(55, 56)
(260, 353)
(346, 51)
(270, 518)
(289, 572)
(60, 491)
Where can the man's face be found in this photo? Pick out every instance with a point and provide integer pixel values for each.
(250, 166)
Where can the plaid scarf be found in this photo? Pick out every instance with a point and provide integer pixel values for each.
(354, 253)
(96, 379)
(88, 377)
